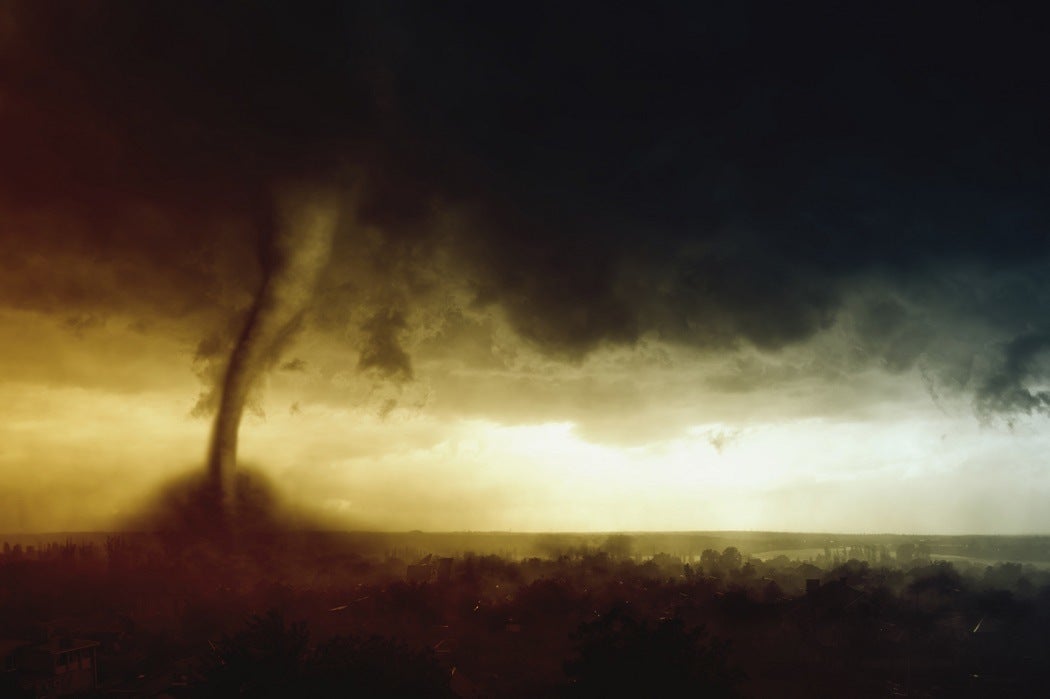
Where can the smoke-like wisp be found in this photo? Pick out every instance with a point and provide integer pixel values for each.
(298, 248)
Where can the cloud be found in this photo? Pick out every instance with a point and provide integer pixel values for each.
(720, 439)
(706, 178)
(1006, 389)
(382, 349)
(80, 324)
(294, 364)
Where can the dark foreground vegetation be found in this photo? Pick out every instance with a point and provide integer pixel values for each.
(342, 615)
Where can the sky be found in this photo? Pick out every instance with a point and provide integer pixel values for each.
(530, 267)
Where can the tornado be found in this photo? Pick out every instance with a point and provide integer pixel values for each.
(293, 250)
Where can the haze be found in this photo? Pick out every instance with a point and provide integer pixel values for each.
(653, 269)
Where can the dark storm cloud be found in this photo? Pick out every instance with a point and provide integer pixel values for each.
(710, 175)
(717, 176)
(1007, 389)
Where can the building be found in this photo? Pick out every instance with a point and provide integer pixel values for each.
(57, 668)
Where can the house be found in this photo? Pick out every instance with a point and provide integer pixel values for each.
(58, 667)
(8, 649)
(9, 679)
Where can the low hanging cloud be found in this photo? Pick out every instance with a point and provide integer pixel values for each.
(1007, 389)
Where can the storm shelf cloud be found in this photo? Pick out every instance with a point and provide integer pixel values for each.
(747, 199)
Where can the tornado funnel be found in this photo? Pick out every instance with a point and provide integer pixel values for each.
(294, 251)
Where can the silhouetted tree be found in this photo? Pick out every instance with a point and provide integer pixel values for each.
(772, 592)
(618, 546)
(939, 579)
(709, 561)
(270, 658)
(262, 660)
(730, 559)
(372, 667)
(620, 656)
